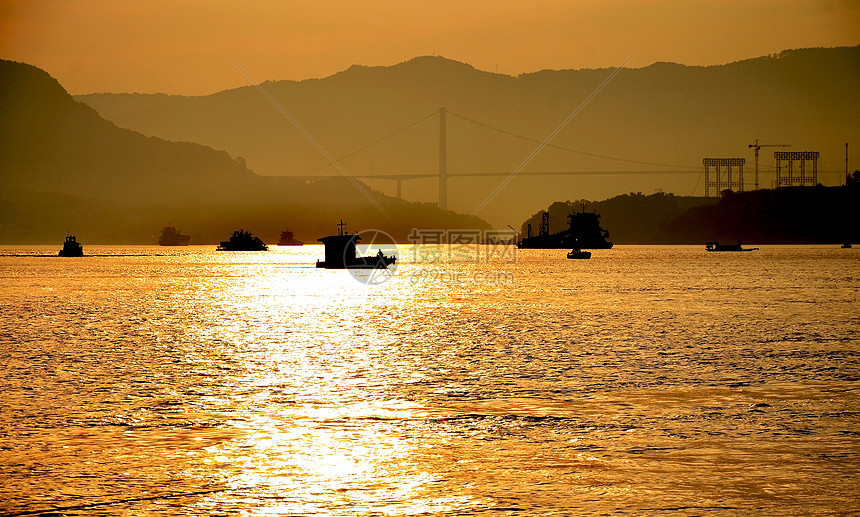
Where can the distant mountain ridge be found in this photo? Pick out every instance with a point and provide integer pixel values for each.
(63, 166)
(664, 117)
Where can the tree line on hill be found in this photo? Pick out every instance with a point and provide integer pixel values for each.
(799, 215)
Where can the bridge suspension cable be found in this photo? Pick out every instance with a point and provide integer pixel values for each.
(568, 149)
(378, 141)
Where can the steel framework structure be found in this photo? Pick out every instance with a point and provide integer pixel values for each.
(788, 178)
(732, 182)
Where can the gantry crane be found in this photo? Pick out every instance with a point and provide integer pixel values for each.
(758, 146)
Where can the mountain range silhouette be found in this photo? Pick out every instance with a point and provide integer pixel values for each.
(120, 166)
(663, 117)
(63, 166)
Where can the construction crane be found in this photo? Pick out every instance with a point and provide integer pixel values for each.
(758, 146)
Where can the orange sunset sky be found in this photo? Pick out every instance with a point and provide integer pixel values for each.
(182, 47)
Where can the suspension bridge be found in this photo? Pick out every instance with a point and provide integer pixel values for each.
(443, 174)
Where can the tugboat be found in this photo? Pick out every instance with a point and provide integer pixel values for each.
(288, 240)
(584, 233)
(71, 248)
(242, 241)
(340, 253)
(716, 246)
(170, 236)
(577, 253)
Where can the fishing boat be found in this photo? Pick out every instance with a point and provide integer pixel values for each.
(170, 236)
(579, 254)
(716, 246)
(71, 248)
(288, 240)
(340, 253)
(242, 241)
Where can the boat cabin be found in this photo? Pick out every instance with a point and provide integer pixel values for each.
(340, 253)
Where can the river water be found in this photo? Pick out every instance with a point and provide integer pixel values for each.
(647, 380)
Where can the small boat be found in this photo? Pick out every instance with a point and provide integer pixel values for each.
(170, 236)
(288, 240)
(576, 253)
(242, 241)
(71, 248)
(340, 253)
(846, 246)
(716, 246)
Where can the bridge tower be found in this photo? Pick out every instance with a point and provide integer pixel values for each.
(443, 160)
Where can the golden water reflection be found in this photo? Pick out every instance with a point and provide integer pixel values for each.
(645, 380)
(318, 410)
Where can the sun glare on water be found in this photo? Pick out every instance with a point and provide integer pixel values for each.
(314, 401)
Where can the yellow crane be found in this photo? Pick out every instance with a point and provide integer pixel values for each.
(758, 146)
